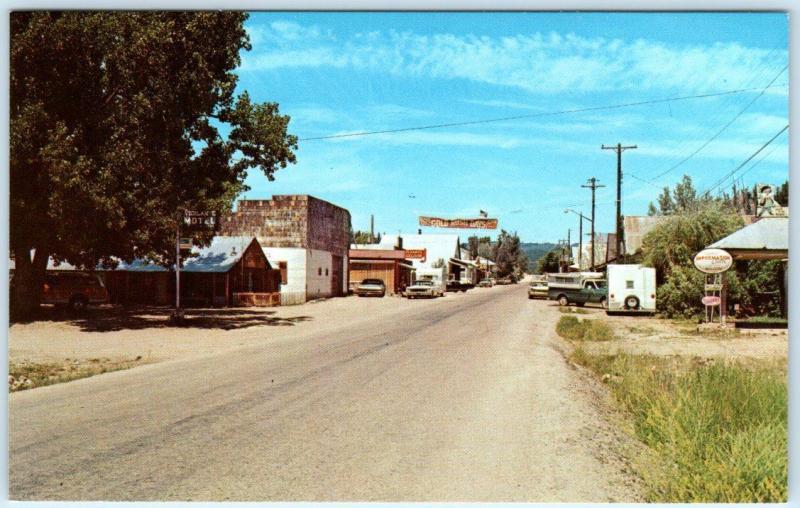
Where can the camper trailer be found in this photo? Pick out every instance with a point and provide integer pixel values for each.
(631, 288)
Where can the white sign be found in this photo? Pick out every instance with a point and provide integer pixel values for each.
(713, 261)
(193, 218)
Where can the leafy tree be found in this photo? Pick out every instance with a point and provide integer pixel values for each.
(782, 194)
(364, 238)
(508, 255)
(115, 120)
(684, 195)
(439, 263)
(675, 241)
(549, 263)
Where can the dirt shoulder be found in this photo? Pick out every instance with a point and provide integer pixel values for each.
(645, 335)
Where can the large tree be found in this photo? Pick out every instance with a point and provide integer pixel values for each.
(115, 125)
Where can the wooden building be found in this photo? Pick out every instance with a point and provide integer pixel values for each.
(232, 271)
(390, 266)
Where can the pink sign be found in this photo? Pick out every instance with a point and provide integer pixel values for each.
(711, 301)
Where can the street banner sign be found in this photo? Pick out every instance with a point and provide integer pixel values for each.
(438, 222)
(711, 301)
(420, 254)
(713, 260)
(200, 219)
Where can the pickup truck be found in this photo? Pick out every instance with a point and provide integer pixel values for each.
(577, 289)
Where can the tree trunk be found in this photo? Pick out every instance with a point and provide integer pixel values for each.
(29, 274)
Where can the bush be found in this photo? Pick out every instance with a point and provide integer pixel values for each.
(719, 431)
(681, 294)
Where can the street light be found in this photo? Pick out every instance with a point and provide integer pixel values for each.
(580, 237)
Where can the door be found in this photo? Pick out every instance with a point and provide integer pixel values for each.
(336, 275)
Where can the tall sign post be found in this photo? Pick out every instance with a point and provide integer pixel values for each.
(714, 263)
(192, 220)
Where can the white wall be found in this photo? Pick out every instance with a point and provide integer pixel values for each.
(294, 291)
(318, 286)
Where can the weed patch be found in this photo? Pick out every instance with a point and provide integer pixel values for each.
(718, 429)
(573, 328)
(26, 375)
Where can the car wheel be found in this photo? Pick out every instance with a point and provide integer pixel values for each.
(604, 303)
(563, 300)
(78, 303)
(631, 302)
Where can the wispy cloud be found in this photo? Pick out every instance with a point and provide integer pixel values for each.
(540, 62)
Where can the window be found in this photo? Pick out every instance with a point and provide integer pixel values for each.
(282, 266)
(326, 272)
(319, 271)
(628, 284)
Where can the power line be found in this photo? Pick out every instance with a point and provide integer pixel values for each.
(720, 131)
(740, 166)
(535, 115)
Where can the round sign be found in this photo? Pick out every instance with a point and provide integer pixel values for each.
(711, 301)
(713, 260)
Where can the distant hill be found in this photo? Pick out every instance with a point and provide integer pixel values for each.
(535, 251)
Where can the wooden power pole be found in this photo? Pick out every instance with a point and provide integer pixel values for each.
(619, 149)
(592, 184)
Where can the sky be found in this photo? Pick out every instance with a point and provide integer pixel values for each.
(340, 73)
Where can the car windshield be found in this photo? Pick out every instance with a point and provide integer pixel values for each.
(424, 283)
(376, 282)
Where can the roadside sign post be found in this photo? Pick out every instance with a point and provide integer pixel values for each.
(714, 263)
(178, 315)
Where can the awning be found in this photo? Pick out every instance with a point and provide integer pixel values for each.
(767, 238)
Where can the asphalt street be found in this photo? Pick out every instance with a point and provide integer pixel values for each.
(465, 398)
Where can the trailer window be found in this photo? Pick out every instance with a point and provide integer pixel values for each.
(628, 284)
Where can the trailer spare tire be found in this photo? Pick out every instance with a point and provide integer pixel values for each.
(563, 300)
(631, 302)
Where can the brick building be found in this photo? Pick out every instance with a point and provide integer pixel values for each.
(306, 237)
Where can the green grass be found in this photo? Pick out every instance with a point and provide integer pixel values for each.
(26, 375)
(573, 328)
(718, 430)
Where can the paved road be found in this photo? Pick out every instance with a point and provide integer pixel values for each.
(463, 399)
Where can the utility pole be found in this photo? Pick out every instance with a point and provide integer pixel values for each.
(580, 235)
(619, 149)
(372, 228)
(592, 184)
(569, 248)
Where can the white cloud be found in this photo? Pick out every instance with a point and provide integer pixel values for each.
(544, 63)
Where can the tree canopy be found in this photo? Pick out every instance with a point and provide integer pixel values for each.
(115, 125)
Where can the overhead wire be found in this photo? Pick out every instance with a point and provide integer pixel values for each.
(537, 115)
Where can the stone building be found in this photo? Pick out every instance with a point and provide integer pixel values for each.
(306, 237)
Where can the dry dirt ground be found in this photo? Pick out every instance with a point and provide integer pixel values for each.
(465, 398)
(642, 335)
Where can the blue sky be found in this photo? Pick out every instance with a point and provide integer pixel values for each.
(337, 73)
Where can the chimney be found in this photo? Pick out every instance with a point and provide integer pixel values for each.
(399, 242)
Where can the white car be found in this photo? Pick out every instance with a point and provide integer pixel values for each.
(423, 289)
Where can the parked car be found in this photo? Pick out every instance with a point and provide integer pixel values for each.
(537, 289)
(74, 289)
(371, 287)
(424, 289)
(504, 281)
(631, 288)
(578, 288)
(438, 276)
(486, 283)
(457, 285)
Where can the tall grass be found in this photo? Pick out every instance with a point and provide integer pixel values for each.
(718, 430)
(573, 328)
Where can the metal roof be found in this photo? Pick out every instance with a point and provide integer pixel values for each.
(219, 257)
(770, 234)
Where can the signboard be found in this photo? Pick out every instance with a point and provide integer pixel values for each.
(711, 301)
(185, 244)
(713, 287)
(198, 219)
(421, 254)
(713, 261)
(766, 206)
(437, 222)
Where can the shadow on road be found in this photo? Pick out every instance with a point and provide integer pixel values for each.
(116, 318)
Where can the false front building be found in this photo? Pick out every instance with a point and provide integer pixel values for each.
(305, 237)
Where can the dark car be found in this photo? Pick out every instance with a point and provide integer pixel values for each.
(371, 287)
(455, 286)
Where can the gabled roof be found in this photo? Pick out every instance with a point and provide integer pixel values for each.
(767, 234)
